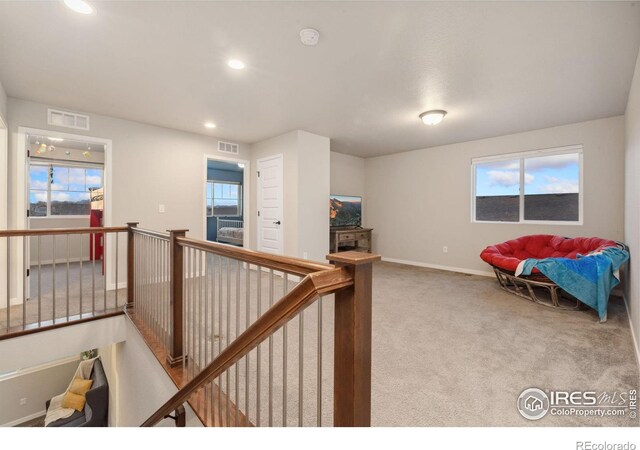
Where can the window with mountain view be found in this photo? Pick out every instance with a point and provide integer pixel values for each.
(57, 190)
(542, 186)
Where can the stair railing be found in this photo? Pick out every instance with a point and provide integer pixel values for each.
(237, 329)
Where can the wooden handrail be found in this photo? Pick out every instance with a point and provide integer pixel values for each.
(56, 231)
(294, 266)
(300, 297)
(49, 325)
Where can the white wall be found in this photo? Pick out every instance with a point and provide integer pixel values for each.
(77, 249)
(632, 202)
(306, 191)
(108, 356)
(420, 201)
(347, 175)
(151, 166)
(3, 102)
(142, 385)
(36, 386)
(3, 189)
(314, 173)
(59, 343)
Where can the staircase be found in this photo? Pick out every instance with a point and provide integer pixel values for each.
(248, 338)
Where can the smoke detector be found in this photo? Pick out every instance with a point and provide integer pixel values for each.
(309, 37)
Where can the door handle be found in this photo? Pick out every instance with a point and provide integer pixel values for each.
(277, 222)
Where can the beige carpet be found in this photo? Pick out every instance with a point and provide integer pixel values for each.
(67, 301)
(450, 350)
(455, 350)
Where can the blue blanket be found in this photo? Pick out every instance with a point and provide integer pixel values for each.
(588, 278)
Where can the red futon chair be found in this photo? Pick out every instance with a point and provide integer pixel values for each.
(505, 257)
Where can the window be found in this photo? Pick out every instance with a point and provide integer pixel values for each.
(539, 186)
(57, 190)
(224, 199)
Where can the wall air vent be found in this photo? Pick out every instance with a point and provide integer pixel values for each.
(227, 147)
(67, 119)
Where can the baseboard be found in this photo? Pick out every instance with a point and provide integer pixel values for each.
(112, 286)
(24, 419)
(62, 262)
(439, 267)
(633, 333)
(13, 302)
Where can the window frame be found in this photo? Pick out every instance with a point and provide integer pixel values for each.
(522, 156)
(240, 198)
(65, 164)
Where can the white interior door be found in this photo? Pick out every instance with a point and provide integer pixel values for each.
(270, 205)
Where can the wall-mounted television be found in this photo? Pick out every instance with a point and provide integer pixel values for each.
(345, 211)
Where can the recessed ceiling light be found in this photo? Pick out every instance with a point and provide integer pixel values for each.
(433, 117)
(209, 125)
(235, 64)
(80, 6)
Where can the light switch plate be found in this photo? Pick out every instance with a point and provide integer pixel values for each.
(161, 208)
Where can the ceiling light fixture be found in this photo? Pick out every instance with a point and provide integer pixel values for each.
(236, 64)
(309, 37)
(433, 117)
(209, 125)
(80, 6)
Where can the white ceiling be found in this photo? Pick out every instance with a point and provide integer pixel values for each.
(498, 68)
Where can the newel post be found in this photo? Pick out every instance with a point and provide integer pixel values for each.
(176, 261)
(131, 273)
(352, 352)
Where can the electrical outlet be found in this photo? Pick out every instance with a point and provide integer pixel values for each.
(161, 209)
(445, 249)
(23, 401)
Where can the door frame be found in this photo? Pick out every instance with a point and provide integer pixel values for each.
(246, 197)
(22, 195)
(259, 201)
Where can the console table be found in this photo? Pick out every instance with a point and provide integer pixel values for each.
(345, 239)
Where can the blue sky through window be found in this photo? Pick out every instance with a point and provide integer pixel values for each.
(38, 177)
(556, 174)
(68, 185)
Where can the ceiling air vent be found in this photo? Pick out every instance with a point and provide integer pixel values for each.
(227, 147)
(67, 119)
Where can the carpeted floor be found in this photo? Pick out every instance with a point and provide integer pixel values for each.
(38, 422)
(455, 350)
(87, 281)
